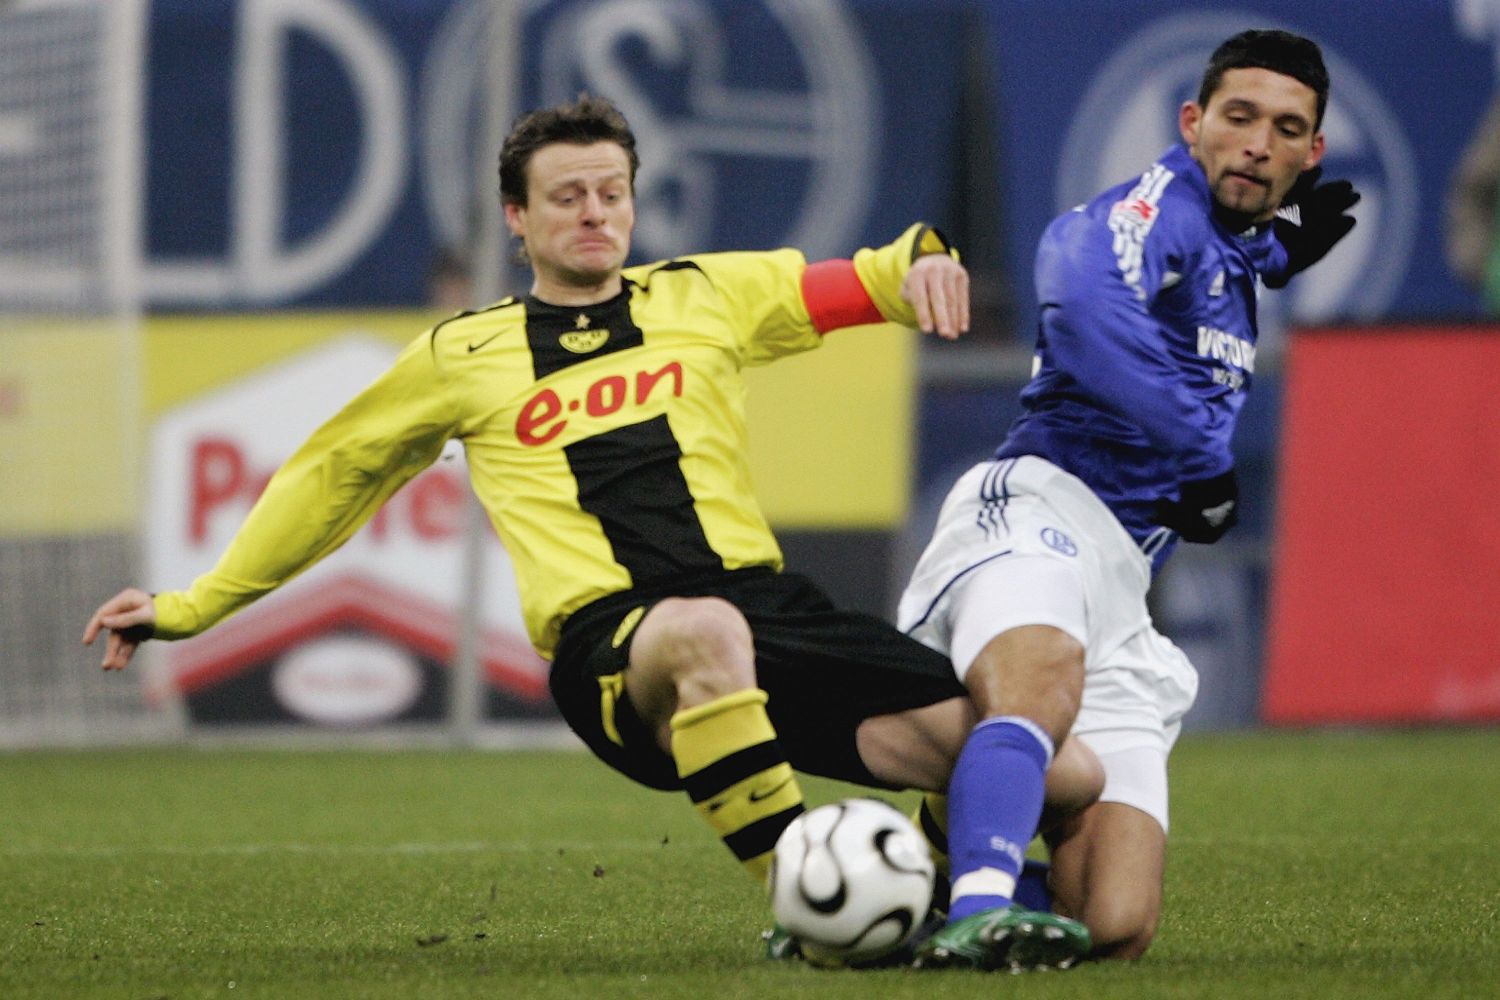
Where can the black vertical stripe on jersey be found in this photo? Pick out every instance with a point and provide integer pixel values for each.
(631, 479)
(546, 324)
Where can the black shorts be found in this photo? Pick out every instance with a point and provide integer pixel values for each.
(825, 671)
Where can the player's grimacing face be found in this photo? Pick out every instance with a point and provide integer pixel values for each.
(1253, 139)
(579, 213)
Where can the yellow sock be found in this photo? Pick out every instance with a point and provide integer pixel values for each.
(736, 774)
(931, 818)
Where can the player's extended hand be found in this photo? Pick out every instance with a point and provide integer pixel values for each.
(130, 618)
(1312, 218)
(937, 287)
(1204, 510)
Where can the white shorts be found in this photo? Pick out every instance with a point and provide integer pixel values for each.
(1021, 542)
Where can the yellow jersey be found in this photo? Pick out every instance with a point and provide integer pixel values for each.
(606, 442)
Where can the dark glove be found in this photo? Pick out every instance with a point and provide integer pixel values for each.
(1205, 510)
(1310, 221)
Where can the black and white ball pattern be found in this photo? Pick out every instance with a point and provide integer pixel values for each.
(852, 880)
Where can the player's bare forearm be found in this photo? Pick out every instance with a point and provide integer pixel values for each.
(937, 288)
(130, 618)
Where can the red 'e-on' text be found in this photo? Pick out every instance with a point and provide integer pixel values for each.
(541, 418)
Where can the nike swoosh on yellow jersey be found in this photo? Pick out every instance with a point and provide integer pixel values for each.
(475, 347)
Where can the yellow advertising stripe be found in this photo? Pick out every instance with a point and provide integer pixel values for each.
(830, 443)
(190, 356)
(68, 415)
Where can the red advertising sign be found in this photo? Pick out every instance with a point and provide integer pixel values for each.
(1385, 603)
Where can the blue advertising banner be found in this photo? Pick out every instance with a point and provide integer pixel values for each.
(1087, 95)
(323, 152)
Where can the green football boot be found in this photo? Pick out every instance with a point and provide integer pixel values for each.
(780, 945)
(1011, 938)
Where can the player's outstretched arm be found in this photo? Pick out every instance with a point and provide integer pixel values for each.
(937, 287)
(129, 617)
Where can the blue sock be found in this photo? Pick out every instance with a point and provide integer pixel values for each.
(994, 802)
(1032, 890)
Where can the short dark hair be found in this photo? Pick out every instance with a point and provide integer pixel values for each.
(1279, 51)
(582, 122)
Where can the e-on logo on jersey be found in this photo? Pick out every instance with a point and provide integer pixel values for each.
(542, 416)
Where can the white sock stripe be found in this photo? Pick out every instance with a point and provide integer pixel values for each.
(1029, 726)
(984, 882)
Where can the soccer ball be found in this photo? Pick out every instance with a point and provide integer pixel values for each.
(852, 881)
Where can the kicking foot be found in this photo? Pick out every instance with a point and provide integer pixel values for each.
(1012, 938)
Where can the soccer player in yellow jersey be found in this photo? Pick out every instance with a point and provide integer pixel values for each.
(603, 419)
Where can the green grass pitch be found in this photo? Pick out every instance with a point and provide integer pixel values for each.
(1318, 865)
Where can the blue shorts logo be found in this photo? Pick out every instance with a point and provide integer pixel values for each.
(1059, 542)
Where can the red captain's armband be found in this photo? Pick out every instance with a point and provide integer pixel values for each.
(835, 297)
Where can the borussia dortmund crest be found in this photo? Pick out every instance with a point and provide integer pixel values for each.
(583, 341)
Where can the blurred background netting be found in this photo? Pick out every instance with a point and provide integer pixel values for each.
(70, 356)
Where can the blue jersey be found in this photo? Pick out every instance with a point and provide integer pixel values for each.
(1146, 343)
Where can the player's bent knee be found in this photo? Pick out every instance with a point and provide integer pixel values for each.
(1074, 782)
(1123, 948)
(700, 646)
(692, 630)
(1122, 931)
(916, 748)
(1034, 671)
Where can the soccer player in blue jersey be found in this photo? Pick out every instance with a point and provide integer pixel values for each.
(1036, 576)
